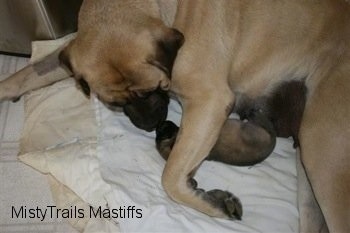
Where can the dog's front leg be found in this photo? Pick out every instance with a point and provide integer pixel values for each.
(34, 76)
(200, 126)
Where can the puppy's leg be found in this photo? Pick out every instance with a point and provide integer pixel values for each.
(311, 217)
(34, 76)
(240, 143)
(200, 127)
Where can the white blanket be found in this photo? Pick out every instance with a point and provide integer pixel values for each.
(132, 166)
(122, 169)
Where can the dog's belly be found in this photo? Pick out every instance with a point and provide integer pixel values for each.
(283, 106)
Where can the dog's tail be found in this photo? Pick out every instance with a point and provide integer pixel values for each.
(41, 73)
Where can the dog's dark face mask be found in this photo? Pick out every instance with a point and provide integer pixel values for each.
(147, 113)
(144, 112)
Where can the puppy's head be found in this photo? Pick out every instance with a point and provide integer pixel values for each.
(123, 57)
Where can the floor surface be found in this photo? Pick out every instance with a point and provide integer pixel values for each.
(20, 185)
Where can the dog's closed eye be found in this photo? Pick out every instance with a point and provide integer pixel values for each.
(84, 86)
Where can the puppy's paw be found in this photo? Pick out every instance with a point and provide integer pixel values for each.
(192, 183)
(225, 201)
(166, 134)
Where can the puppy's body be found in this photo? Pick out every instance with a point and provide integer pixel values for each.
(234, 51)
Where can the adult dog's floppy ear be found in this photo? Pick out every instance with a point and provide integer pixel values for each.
(40, 73)
(66, 62)
(64, 59)
(167, 48)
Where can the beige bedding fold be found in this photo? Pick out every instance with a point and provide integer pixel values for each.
(55, 116)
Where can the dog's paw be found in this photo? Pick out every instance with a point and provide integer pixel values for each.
(16, 99)
(225, 201)
(12, 99)
(8, 92)
(228, 202)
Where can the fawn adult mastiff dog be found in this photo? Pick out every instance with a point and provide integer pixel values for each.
(248, 57)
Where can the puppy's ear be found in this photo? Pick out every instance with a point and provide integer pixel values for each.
(167, 48)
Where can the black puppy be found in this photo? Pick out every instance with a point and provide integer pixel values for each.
(253, 140)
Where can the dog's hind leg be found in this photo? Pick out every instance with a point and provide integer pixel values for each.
(325, 148)
(34, 76)
(311, 217)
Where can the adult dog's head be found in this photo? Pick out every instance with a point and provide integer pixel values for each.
(124, 52)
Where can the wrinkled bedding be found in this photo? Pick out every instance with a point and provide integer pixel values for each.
(103, 161)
